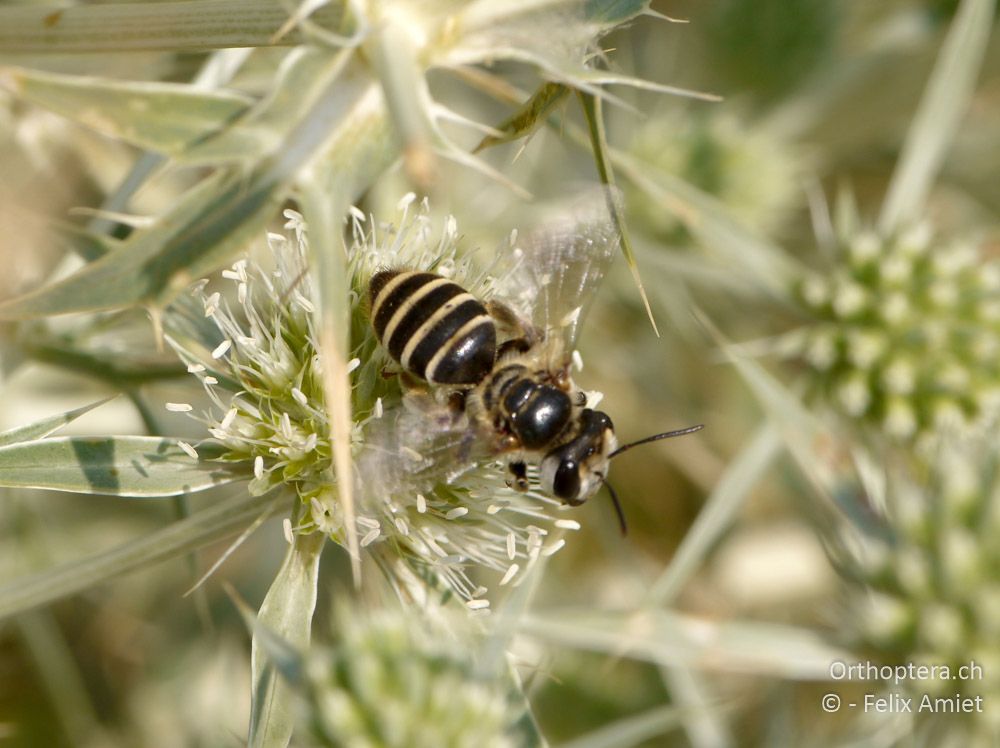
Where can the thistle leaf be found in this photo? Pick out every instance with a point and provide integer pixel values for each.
(668, 638)
(599, 147)
(945, 101)
(134, 466)
(299, 83)
(219, 520)
(286, 614)
(719, 511)
(803, 433)
(46, 426)
(213, 221)
(163, 117)
(605, 78)
(124, 372)
(525, 731)
(614, 12)
(216, 219)
(761, 262)
(171, 26)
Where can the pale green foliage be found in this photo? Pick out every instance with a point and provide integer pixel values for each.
(335, 115)
(136, 466)
(749, 167)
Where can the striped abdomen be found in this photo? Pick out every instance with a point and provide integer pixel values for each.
(434, 328)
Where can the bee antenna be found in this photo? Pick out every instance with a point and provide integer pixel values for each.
(656, 438)
(618, 508)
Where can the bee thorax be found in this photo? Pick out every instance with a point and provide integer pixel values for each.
(537, 413)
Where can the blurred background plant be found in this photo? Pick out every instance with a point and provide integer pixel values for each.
(144, 146)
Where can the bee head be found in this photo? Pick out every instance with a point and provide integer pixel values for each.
(574, 471)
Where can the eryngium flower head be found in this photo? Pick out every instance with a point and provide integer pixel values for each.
(905, 333)
(926, 587)
(750, 169)
(441, 516)
(396, 680)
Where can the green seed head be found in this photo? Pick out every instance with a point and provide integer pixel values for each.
(928, 586)
(751, 170)
(399, 681)
(904, 334)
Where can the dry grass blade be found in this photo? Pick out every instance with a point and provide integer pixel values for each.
(334, 323)
(203, 527)
(668, 638)
(945, 101)
(287, 612)
(631, 730)
(171, 26)
(599, 146)
(163, 117)
(717, 514)
(46, 426)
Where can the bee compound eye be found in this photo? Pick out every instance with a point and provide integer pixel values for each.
(566, 484)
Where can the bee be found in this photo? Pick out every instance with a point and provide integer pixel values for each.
(508, 375)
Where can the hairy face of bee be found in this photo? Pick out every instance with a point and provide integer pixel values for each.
(575, 471)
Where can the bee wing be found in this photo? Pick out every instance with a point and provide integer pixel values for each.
(560, 265)
(416, 445)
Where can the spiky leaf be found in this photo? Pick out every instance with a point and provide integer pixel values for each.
(286, 613)
(163, 117)
(45, 426)
(137, 466)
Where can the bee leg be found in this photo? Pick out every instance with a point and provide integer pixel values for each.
(522, 335)
(515, 345)
(519, 473)
(509, 320)
(580, 398)
(465, 447)
(409, 383)
(561, 378)
(505, 442)
(456, 403)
